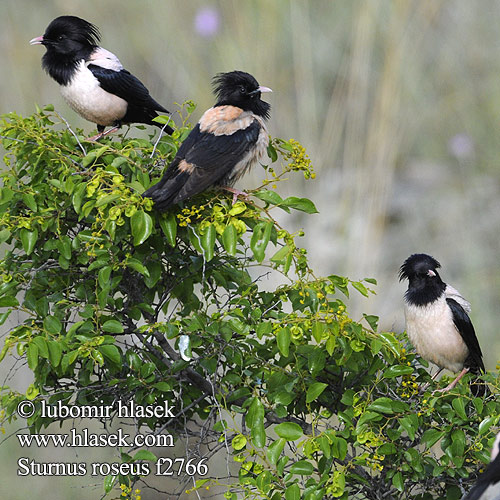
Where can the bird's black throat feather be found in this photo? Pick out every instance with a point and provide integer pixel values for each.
(60, 69)
(423, 291)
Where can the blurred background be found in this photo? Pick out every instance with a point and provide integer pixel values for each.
(397, 103)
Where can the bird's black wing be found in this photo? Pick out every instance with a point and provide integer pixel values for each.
(464, 326)
(490, 476)
(125, 85)
(211, 158)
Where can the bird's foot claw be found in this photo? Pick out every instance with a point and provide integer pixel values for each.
(236, 193)
(102, 134)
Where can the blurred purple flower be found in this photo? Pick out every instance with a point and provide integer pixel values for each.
(461, 146)
(207, 21)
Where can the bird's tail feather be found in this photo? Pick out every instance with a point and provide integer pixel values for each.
(477, 387)
(164, 193)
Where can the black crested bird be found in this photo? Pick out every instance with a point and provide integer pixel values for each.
(490, 477)
(437, 321)
(223, 145)
(92, 79)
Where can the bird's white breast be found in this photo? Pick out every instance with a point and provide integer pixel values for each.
(85, 95)
(254, 155)
(431, 330)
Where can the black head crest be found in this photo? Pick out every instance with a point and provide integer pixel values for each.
(418, 264)
(240, 89)
(72, 28)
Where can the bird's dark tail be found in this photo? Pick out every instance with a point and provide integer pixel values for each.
(165, 193)
(168, 129)
(477, 387)
(141, 114)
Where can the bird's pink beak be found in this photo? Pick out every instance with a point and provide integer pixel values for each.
(431, 273)
(37, 41)
(264, 89)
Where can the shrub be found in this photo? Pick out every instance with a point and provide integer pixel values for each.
(119, 302)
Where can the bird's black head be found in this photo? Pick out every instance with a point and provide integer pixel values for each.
(241, 89)
(68, 39)
(70, 35)
(424, 283)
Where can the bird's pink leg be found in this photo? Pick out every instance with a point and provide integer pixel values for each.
(454, 383)
(236, 193)
(100, 135)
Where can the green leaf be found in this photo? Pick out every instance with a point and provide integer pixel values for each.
(109, 482)
(78, 197)
(292, 492)
(29, 201)
(32, 356)
(459, 406)
(302, 204)
(360, 288)
(260, 238)
(314, 391)
(410, 424)
(229, 239)
(64, 247)
(486, 423)
(112, 326)
(162, 386)
(431, 436)
(55, 352)
(8, 301)
(302, 467)
(273, 155)
(289, 431)
(111, 352)
(145, 455)
(3, 318)
(382, 405)
(137, 266)
(398, 370)
(103, 276)
(208, 242)
(274, 451)
(104, 200)
(269, 196)
(458, 443)
(255, 413)
(4, 235)
(28, 240)
(339, 448)
(397, 481)
(317, 331)
(258, 433)
(283, 338)
(88, 159)
(141, 224)
(390, 342)
(41, 343)
(168, 225)
(239, 442)
(52, 324)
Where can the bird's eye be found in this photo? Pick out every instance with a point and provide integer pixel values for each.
(242, 90)
(60, 37)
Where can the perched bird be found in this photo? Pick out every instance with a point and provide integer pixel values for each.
(437, 321)
(223, 145)
(490, 478)
(92, 79)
